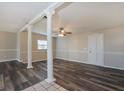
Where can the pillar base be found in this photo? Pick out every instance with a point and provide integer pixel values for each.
(19, 60)
(29, 67)
(50, 80)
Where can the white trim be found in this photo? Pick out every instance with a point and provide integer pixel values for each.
(39, 60)
(79, 51)
(96, 49)
(35, 61)
(86, 51)
(28, 67)
(70, 60)
(50, 76)
(29, 46)
(42, 50)
(10, 31)
(113, 67)
(50, 81)
(8, 60)
(114, 53)
(86, 62)
(8, 50)
(18, 46)
(67, 60)
(43, 33)
(11, 60)
(19, 60)
(34, 51)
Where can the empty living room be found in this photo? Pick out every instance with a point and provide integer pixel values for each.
(61, 46)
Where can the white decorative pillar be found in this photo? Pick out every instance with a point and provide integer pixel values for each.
(50, 77)
(29, 47)
(18, 46)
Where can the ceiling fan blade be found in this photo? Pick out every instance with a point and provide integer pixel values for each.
(68, 32)
(55, 33)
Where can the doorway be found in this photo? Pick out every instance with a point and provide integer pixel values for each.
(96, 49)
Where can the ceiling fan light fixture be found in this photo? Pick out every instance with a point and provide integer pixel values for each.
(61, 35)
(62, 31)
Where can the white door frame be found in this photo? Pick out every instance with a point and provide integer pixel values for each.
(96, 49)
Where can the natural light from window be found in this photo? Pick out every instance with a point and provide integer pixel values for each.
(42, 44)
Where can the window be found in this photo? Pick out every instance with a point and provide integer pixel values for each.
(42, 44)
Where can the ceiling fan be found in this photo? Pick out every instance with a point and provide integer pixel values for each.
(62, 32)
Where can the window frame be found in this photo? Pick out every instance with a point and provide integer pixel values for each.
(42, 44)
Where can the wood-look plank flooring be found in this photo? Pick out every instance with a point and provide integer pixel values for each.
(70, 75)
(15, 75)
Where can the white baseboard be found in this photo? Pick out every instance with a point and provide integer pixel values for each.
(36, 61)
(39, 60)
(113, 67)
(51, 80)
(7, 60)
(11, 60)
(29, 67)
(19, 60)
(86, 62)
(71, 60)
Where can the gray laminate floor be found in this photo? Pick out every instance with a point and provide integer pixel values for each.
(15, 75)
(79, 76)
(69, 75)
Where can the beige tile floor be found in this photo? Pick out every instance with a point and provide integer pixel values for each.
(45, 86)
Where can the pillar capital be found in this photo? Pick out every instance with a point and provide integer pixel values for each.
(29, 27)
(49, 12)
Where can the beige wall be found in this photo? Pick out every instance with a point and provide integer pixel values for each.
(114, 47)
(74, 47)
(23, 46)
(37, 55)
(8, 46)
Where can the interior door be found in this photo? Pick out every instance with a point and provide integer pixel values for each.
(95, 49)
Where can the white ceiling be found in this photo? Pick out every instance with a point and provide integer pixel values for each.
(92, 16)
(13, 16)
(74, 17)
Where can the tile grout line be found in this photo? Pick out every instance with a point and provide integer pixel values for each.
(40, 86)
(50, 86)
(43, 86)
(34, 88)
(54, 85)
